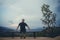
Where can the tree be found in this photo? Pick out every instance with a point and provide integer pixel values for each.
(49, 18)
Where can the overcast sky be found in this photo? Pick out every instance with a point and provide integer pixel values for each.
(12, 11)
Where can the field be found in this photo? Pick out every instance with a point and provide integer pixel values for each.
(30, 38)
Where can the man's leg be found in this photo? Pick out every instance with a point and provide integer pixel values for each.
(21, 34)
(24, 35)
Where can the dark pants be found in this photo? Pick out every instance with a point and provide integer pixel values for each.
(23, 33)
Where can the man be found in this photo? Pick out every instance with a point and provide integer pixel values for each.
(22, 26)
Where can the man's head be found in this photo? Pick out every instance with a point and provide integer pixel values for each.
(23, 20)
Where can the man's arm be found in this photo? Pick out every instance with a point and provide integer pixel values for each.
(17, 27)
(28, 27)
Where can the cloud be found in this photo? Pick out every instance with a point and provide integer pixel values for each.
(13, 25)
(30, 10)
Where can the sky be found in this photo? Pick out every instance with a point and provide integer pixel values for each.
(12, 11)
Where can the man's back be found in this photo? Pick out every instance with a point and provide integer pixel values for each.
(22, 26)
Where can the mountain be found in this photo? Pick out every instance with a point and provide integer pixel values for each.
(7, 32)
(4, 31)
(35, 30)
(52, 32)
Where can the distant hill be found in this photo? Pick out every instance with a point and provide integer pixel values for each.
(35, 30)
(4, 31)
(55, 32)
(7, 32)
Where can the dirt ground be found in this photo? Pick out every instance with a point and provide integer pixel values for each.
(30, 38)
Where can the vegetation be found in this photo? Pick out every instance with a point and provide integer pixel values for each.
(49, 19)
